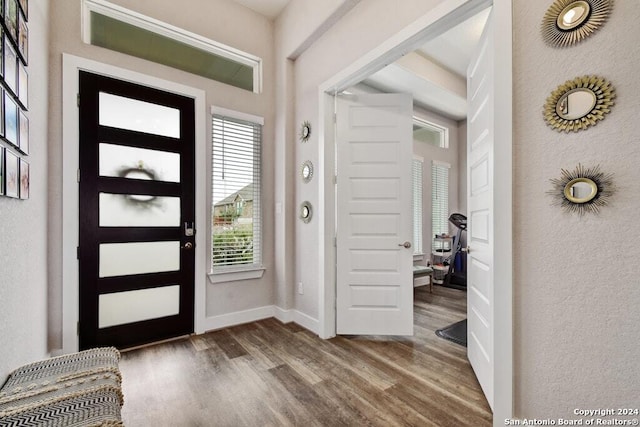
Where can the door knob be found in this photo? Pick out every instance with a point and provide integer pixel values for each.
(406, 245)
(467, 249)
(188, 246)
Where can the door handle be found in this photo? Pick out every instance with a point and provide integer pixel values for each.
(467, 249)
(406, 245)
(187, 246)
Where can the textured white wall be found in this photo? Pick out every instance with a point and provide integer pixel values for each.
(220, 20)
(298, 26)
(23, 224)
(577, 292)
(361, 29)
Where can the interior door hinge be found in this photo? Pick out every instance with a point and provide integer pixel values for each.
(78, 175)
(78, 99)
(78, 328)
(335, 242)
(335, 117)
(77, 252)
(335, 179)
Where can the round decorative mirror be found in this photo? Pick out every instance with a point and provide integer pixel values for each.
(583, 189)
(306, 212)
(576, 103)
(579, 103)
(568, 22)
(573, 15)
(305, 131)
(307, 171)
(580, 190)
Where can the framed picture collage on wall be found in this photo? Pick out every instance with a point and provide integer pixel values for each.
(14, 95)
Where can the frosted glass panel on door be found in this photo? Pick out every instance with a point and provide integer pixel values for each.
(138, 163)
(140, 116)
(121, 259)
(132, 210)
(135, 306)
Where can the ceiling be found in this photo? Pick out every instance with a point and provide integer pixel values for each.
(454, 48)
(268, 8)
(436, 72)
(439, 83)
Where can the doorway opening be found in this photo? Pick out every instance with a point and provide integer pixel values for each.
(434, 25)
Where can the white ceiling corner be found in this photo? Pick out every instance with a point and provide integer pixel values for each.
(269, 8)
(435, 72)
(454, 48)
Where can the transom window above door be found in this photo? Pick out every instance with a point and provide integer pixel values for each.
(430, 133)
(113, 27)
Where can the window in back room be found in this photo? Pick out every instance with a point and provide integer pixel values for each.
(430, 133)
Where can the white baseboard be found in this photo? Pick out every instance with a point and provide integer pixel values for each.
(285, 316)
(306, 321)
(260, 313)
(238, 318)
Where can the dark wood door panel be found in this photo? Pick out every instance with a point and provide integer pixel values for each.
(92, 235)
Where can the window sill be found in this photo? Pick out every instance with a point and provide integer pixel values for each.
(236, 275)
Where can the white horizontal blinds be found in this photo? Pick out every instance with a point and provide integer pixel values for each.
(417, 205)
(439, 198)
(236, 193)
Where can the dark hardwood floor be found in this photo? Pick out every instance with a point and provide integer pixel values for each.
(270, 374)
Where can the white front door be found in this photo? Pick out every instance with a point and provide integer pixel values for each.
(480, 202)
(374, 255)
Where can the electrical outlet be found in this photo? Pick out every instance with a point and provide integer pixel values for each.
(300, 288)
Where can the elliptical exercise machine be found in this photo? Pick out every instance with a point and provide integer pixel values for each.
(457, 275)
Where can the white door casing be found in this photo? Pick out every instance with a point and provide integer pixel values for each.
(408, 38)
(374, 269)
(480, 205)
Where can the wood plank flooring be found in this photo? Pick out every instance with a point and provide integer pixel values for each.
(270, 374)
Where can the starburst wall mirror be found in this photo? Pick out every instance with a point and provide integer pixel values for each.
(582, 190)
(305, 131)
(568, 22)
(306, 171)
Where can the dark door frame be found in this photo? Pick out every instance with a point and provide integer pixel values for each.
(69, 281)
(92, 134)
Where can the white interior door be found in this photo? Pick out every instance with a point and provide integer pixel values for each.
(374, 228)
(480, 202)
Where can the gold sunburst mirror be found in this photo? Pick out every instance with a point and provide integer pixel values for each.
(582, 190)
(568, 22)
(579, 103)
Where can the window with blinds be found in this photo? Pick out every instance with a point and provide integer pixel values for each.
(417, 205)
(237, 223)
(439, 198)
